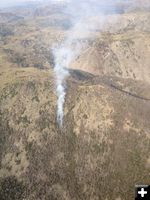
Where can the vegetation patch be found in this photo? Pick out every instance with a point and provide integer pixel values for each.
(12, 189)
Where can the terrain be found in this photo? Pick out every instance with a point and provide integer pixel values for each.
(102, 151)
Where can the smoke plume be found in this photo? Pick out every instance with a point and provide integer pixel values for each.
(87, 17)
(82, 14)
(62, 60)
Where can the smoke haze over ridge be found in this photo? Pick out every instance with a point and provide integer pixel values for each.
(82, 13)
(87, 17)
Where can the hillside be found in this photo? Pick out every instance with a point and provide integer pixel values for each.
(103, 148)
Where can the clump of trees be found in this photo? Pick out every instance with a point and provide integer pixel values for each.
(5, 31)
(11, 189)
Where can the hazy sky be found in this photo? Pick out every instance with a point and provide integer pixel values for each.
(5, 3)
(8, 3)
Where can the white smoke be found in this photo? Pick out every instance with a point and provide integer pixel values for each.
(81, 13)
(87, 17)
(62, 61)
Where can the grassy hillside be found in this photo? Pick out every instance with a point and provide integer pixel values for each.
(102, 151)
